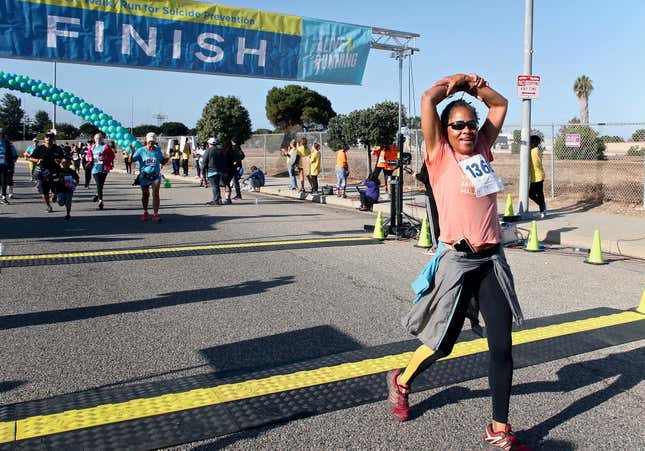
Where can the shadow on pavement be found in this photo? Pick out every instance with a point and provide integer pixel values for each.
(56, 227)
(10, 385)
(165, 300)
(258, 354)
(571, 377)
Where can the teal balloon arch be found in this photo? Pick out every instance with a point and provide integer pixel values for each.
(68, 101)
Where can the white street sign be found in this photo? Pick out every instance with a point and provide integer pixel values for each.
(528, 86)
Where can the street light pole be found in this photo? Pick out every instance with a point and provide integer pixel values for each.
(53, 104)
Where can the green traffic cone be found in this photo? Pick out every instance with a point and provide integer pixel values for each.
(378, 228)
(509, 214)
(424, 235)
(532, 244)
(595, 253)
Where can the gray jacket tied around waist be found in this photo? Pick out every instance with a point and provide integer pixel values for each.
(430, 317)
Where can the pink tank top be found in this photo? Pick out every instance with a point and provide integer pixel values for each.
(461, 214)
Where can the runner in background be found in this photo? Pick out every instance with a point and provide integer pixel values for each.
(102, 157)
(151, 160)
(47, 158)
(30, 150)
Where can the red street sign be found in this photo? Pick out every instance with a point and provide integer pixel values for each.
(528, 86)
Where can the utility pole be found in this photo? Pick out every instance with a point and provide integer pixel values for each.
(526, 111)
(54, 104)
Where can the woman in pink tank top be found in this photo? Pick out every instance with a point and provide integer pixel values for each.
(469, 272)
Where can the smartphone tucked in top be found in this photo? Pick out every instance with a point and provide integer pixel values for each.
(463, 245)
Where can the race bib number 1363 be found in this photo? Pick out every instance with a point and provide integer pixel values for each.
(481, 175)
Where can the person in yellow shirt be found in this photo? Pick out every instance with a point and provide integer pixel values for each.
(536, 188)
(185, 156)
(303, 162)
(314, 169)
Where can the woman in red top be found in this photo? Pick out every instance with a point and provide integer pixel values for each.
(470, 273)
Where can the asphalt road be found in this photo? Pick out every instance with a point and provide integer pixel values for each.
(65, 328)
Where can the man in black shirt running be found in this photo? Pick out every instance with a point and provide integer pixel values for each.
(47, 158)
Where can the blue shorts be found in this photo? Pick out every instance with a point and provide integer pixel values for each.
(147, 182)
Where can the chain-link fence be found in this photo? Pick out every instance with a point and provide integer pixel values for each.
(595, 162)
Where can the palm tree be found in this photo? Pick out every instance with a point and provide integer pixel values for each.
(583, 87)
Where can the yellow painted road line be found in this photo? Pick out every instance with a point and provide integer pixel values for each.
(9, 258)
(43, 425)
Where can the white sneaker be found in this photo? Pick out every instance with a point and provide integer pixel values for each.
(10, 196)
(542, 214)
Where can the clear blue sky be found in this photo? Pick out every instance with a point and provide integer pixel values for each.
(596, 38)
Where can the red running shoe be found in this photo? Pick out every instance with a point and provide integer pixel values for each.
(156, 218)
(397, 398)
(145, 216)
(505, 440)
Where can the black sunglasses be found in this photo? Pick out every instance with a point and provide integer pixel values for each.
(460, 125)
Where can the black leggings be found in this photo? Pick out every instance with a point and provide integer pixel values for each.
(99, 179)
(483, 285)
(5, 175)
(536, 194)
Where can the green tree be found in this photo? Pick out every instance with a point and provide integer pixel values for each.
(591, 146)
(262, 131)
(66, 131)
(11, 116)
(42, 122)
(373, 126)
(611, 139)
(340, 133)
(88, 129)
(174, 129)
(635, 151)
(639, 135)
(293, 107)
(582, 88)
(141, 130)
(224, 118)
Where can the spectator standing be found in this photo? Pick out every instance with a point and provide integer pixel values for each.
(291, 154)
(215, 168)
(197, 156)
(536, 188)
(238, 156)
(185, 156)
(175, 155)
(151, 160)
(127, 151)
(47, 158)
(303, 162)
(8, 157)
(342, 172)
(314, 168)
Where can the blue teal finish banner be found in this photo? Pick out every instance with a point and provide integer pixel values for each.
(184, 36)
